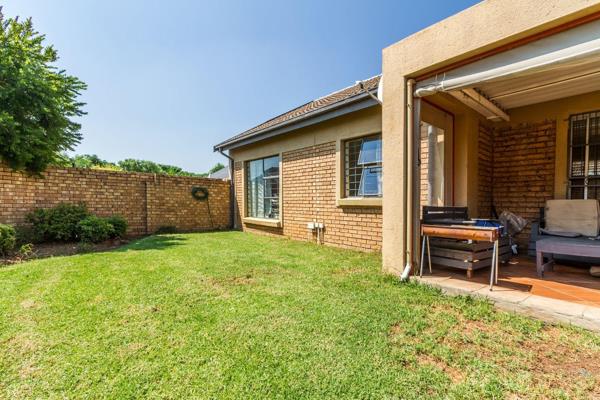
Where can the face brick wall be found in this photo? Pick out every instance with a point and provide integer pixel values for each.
(522, 171)
(309, 194)
(485, 182)
(145, 200)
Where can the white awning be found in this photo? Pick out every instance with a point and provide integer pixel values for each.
(561, 65)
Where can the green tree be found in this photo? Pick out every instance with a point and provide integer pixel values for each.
(216, 168)
(37, 100)
(133, 165)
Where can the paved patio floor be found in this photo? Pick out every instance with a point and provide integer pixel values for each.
(568, 294)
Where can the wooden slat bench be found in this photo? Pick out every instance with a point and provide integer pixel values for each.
(580, 246)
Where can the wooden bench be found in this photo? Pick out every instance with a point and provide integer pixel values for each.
(580, 246)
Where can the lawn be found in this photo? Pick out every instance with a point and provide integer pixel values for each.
(233, 315)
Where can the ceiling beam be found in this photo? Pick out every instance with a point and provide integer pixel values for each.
(481, 104)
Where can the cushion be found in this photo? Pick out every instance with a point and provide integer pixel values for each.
(561, 234)
(595, 271)
(578, 216)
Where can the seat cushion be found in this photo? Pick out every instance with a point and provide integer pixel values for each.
(579, 216)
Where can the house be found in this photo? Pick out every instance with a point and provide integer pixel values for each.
(222, 173)
(496, 107)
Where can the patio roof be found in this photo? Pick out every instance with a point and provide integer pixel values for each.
(558, 66)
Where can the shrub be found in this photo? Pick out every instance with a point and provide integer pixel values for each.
(57, 223)
(25, 250)
(25, 235)
(119, 225)
(8, 238)
(94, 229)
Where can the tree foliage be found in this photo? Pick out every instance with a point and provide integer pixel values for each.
(216, 168)
(130, 165)
(37, 101)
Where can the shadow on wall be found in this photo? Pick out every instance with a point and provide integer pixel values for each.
(156, 242)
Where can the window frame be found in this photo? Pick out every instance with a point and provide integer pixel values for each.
(586, 177)
(272, 222)
(346, 168)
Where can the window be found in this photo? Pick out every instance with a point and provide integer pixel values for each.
(363, 167)
(584, 156)
(262, 188)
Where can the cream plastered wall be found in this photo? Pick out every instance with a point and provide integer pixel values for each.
(357, 124)
(485, 26)
(559, 111)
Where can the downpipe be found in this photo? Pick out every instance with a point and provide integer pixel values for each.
(409, 151)
(231, 190)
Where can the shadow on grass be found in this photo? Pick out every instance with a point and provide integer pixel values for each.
(156, 242)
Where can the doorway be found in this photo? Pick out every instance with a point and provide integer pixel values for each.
(436, 136)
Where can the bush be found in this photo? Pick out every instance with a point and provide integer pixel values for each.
(119, 225)
(25, 235)
(94, 229)
(8, 238)
(58, 223)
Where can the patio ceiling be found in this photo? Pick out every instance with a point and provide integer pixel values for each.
(558, 66)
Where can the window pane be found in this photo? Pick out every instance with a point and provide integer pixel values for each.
(272, 166)
(578, 128)
(272, 208)
(577, 161)
(593, 158)
(262, 188)
(594, 130)
(576, 191)
(370, 151)
(593, 189)
(353, 170)
(584, 149)
(370, 184)
(362, 161)
(255, 189)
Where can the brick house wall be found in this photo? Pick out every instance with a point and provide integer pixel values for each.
(485, 179)
(146, 201)
(309, 193)
(523, 169)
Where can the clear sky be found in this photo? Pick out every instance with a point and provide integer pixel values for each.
(169, 79)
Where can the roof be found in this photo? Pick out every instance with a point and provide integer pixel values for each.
(310, 109)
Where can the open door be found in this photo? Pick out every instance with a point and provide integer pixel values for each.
(436, 135)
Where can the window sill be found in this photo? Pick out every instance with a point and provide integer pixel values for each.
(360, 202)
(273, 223)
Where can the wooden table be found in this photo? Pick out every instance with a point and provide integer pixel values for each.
(462, 232)
(580, 246)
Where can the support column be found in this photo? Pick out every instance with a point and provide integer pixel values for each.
(394, 167)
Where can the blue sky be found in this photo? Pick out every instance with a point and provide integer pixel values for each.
(169, 79)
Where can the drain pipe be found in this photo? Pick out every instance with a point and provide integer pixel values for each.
(408, 223)
(231, 190)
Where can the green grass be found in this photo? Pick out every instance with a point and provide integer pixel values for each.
(232, 315)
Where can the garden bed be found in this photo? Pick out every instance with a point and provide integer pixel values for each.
(43, 250)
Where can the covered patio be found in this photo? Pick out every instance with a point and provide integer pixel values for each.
(509, 132)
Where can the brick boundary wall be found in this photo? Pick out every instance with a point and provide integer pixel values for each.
(146, 201)
(309, 193)
(523, 169)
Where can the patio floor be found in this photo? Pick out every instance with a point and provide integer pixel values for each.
(568, 294)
